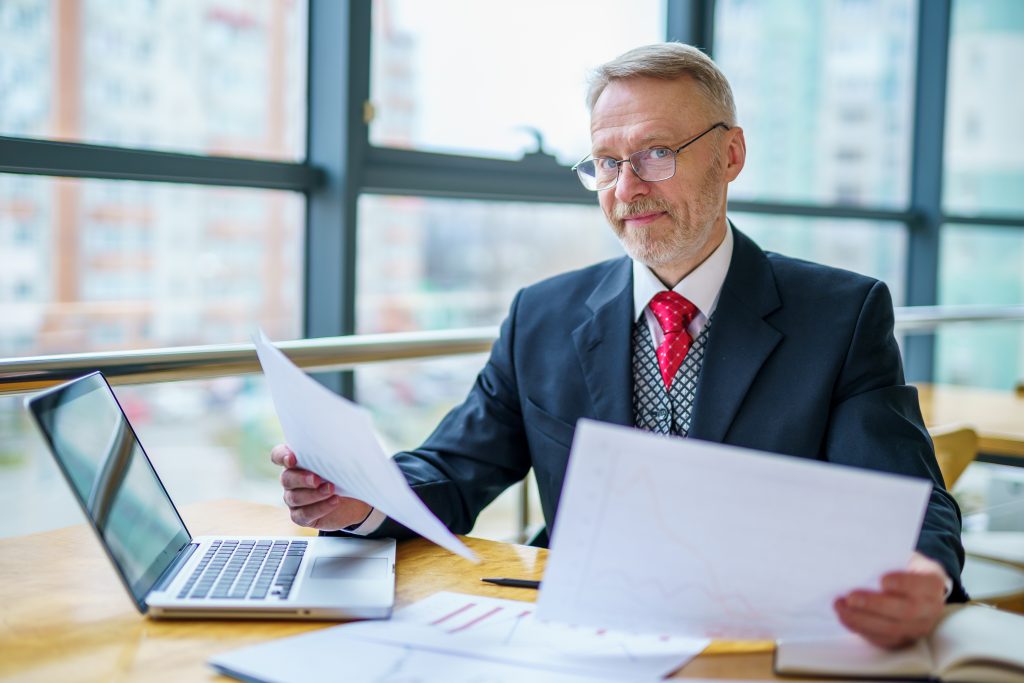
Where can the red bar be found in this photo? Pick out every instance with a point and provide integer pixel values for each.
(452, 614)
(468, 624)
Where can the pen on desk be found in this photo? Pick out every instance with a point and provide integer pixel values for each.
(514, 583)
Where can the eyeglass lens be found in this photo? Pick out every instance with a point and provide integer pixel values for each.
(651, 165)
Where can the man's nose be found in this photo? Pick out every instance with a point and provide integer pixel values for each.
(629, 186)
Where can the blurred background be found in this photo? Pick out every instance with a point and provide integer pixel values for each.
(884, 136)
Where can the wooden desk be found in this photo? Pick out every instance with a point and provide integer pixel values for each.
(64, 616)
(997, 416)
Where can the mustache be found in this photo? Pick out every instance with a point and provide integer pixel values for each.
(621, 212)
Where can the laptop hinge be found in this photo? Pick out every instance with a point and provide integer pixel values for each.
(175, 567)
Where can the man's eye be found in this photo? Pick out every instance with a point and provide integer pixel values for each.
(604, 164)
(659, 153)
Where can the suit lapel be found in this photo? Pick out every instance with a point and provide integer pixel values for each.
(740, 341)
(603, 346)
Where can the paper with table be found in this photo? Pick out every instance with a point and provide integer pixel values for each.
(335, 438)
(449, 635)
(689, 538)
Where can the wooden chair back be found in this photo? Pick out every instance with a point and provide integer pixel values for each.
(956, 446)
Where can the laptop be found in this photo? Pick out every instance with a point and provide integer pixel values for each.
(168, 572)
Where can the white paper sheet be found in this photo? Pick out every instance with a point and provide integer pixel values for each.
(690, 538)
(452, 637)
(335, 438)
(507, 631)
(327, 656)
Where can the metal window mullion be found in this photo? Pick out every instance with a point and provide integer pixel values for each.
(691, 22)
(994, 221)
(535, 178)
(339, 58)
(81, 160)
(933, 32)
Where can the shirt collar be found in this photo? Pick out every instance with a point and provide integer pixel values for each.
(701, 286)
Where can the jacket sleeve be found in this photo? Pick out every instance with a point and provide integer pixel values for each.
(876, 423)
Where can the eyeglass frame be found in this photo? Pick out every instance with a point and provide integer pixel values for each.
(629, 159)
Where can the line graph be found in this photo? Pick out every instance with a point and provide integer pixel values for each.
(700, 539)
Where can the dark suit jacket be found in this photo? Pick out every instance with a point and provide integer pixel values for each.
(801, 361)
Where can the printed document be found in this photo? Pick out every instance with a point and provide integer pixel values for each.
(455, 634)
(335, 438)
(326, 655)
(508, 631)
(677, 536)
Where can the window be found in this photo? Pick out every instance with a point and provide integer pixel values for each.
(876, 249)
(206, 76)
(475, 77)
(981, 265)
(437, 264)
(984, 171)
(984, 137)
(823, 90)
(120, 264)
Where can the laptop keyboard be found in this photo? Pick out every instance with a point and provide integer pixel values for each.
(250, 569)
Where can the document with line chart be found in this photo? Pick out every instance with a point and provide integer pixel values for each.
(691, 538)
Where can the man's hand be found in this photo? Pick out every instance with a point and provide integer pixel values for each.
(311, 499)
(907, 608)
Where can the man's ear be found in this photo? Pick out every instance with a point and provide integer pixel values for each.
(735, 153)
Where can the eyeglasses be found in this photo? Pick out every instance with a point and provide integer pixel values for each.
(650, 165)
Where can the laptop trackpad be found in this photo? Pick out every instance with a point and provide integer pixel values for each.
(340, 568)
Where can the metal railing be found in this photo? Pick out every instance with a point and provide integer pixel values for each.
(203, 362)
(19, 375)
(923, 319)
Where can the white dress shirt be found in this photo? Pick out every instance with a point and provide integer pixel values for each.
(701, 287)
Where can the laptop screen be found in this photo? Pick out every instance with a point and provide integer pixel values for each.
(113, 480)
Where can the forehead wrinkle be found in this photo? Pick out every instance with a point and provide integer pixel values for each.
(630, 137)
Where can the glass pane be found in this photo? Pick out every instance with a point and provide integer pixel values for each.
(441, 263)
(205, 76)
(435, 264)
(88, 265)
(876, 249)
(473, 77)
(981, 354)
(984, 108)
(231, 427)
(824, 90)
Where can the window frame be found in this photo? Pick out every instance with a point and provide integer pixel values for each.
(341, 164)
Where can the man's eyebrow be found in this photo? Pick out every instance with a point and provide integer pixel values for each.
(646, 141)
(651, 138)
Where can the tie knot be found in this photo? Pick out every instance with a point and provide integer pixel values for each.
(673, 311)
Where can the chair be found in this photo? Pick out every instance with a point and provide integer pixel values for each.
(991, 580)
(956, 447)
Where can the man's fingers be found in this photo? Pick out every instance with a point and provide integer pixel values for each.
(309, 515)
(307, 496)
(921, 586)
(896, 606)
(294, 478)
(282, 455)
(879, 630)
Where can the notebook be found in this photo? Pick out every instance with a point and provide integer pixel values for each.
(168, 572)
(972, 644)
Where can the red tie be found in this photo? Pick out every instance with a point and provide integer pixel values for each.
(674, 313)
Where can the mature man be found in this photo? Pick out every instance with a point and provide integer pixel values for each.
(699, 333)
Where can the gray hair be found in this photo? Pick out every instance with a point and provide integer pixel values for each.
(667, 61)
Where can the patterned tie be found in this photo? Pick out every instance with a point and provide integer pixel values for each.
(674, 313)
